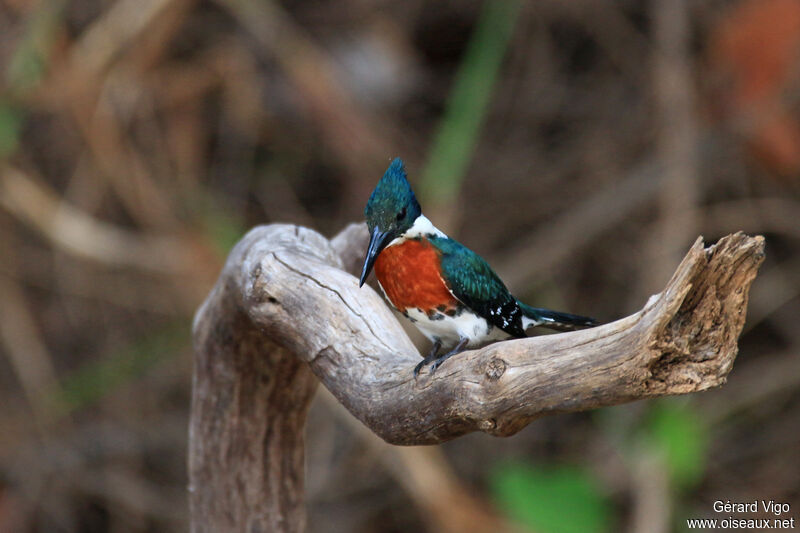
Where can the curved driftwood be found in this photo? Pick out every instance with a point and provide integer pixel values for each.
(285, 307)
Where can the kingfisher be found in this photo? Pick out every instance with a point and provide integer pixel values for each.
(446, 290)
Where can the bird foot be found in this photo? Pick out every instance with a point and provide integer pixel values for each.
(435, 361)
(422, 363)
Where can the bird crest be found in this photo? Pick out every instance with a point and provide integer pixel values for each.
(392, 207)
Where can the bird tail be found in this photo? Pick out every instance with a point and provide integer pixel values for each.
(535, 316)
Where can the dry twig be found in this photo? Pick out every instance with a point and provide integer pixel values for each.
(283, 309)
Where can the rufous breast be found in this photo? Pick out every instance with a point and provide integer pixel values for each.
(410, 274)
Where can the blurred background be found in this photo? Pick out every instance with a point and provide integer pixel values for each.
(581, 147)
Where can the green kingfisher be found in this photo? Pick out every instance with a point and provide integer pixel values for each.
(445, 289)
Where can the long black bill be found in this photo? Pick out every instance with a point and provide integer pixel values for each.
(377, 242)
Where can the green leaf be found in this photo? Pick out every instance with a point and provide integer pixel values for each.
(223, 230)
(92, 382)
(679, 435)
(29, 61)
(466, 106)
(553, 499)
(10, 122)
(221, 225)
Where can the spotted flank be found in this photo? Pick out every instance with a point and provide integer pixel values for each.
(449, 329)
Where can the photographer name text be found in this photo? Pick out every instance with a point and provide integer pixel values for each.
(780, 510)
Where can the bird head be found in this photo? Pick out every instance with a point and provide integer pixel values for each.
(391, 211)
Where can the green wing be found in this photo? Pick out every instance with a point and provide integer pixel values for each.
(475, 284)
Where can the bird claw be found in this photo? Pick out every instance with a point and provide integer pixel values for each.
(419, 367)
(434, 362)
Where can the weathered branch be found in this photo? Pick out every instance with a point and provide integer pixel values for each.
(283, 305)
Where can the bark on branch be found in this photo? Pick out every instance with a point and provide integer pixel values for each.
(284, 307)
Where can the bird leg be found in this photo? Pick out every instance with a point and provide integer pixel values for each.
(434, 361)
(437, 344)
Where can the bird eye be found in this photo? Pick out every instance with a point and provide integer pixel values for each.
(402, 214)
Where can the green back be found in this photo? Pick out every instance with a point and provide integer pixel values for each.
(475, 284)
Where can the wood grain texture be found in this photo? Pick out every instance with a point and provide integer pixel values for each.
(284, 308)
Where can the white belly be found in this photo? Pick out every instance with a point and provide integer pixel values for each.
(450, 329)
